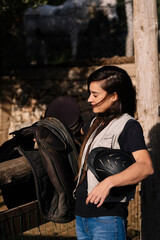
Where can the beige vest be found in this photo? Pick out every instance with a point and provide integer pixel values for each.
(108, 137)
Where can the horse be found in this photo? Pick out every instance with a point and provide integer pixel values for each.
(68, 18)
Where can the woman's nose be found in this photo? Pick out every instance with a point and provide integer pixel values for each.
(89, 99)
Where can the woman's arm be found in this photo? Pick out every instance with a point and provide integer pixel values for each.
(135, 173)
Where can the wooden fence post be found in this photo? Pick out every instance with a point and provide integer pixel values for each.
(129, 19)
(147, 74)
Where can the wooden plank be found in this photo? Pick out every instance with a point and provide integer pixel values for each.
(14, 170)
(20, 219)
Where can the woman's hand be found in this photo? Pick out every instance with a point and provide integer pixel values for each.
(99, 193)
(132, 175)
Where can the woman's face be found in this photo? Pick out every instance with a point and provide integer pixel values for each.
(99, 99)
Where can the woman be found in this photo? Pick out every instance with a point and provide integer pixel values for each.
(113, 100)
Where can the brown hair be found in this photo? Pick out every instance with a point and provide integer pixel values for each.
(112, 79)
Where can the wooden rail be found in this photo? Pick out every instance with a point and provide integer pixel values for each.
(15, 221)
(13, 171)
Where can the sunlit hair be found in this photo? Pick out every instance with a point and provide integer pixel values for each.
(113, 80)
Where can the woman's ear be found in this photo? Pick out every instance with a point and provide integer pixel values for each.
(114, 97)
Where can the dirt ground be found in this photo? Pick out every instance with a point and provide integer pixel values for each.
(97, 62)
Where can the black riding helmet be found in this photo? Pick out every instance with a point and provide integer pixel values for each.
(104, 162)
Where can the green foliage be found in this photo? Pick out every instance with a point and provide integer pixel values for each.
(16, 7)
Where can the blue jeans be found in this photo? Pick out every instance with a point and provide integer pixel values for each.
(101, 228)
